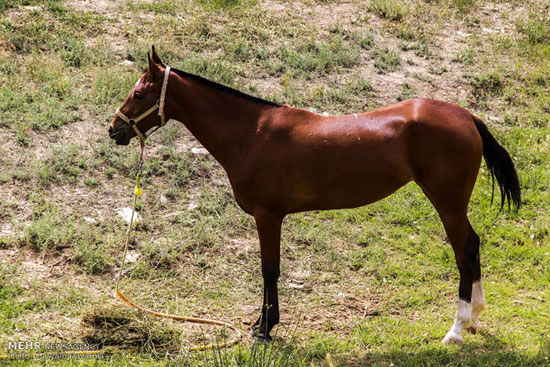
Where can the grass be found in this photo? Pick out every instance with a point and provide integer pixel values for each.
(372, 286)
(386, 60)
(391, 10)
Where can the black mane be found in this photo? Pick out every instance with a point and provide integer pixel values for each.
(225, 88)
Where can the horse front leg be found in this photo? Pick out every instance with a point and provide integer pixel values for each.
(269, 233)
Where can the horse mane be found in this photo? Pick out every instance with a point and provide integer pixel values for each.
(224, 88)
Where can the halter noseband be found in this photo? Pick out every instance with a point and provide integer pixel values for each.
(160, 105)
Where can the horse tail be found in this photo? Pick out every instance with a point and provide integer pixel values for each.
(500, 166)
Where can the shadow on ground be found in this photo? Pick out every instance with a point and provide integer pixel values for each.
(491, 351)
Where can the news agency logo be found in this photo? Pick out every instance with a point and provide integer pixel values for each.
(20, 345)
(24, 345)
(31, 349)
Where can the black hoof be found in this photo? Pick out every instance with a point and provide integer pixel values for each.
(260, 336)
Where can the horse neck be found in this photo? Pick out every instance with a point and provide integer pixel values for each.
(222, 122)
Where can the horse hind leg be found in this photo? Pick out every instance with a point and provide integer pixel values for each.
(466, 250)
(464, 240)
(470, 257)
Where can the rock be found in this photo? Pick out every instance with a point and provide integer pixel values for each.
(127, 63)
(489, 30)
(126, 215)
(163, 200)
(132, 256)
(89, 220)
(199, 151)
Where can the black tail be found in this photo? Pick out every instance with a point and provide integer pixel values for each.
(500, 166)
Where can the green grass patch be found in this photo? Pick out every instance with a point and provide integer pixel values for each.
(406, 92)
(536, 28)
(314, 58)
(386, 60)
(391, 10)
(65, 164)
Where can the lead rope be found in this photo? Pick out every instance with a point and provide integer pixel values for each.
(137, 193)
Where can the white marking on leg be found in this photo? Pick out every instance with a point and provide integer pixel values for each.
(478, 306)
(463, 317)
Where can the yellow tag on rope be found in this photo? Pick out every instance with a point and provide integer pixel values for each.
(137, 189)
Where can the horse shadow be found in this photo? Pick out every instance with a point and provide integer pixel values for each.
(489, 350)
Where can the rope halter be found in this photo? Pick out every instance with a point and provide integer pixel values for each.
(159, 105)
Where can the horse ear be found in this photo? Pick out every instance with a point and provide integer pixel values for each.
(153, 68)
(156, 57)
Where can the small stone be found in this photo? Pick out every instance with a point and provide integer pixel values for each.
(127, 63)
(199, 151)
(163, 200)
(192, 206)
(126, 215)
(489, 30)
(132, 256)
(89, 220)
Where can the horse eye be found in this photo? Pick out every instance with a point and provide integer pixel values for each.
(138, 96)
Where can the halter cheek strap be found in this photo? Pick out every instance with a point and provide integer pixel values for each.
(159, 105)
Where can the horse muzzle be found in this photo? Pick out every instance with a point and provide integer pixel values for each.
(119, 134)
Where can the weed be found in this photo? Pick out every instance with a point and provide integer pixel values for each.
(465, 56)
(218, 70)
(66, 162)
(33, 34)
(90, 250)
(386, 60)
(406, 31)
(536, 28)
(226, 4)
(92, 182)
(109, 87)
(391, 10)
(9, 310)
(318, 58)
(464, 5)
(421, 48)
(406, 92)
(49, 230)
(366, 41)
(74, 52)
(486, 84)
(437, 68)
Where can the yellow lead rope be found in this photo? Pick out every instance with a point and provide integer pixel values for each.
(138, 192)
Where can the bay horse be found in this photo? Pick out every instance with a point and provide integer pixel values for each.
(282, 160)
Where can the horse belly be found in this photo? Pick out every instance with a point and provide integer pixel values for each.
(342, 176)
(346, 184)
